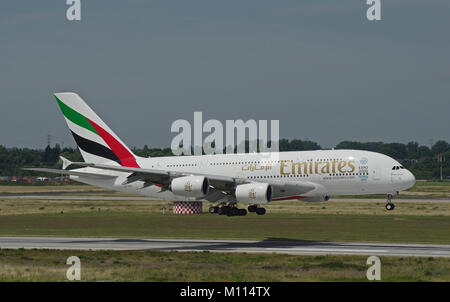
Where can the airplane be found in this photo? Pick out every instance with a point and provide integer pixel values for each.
(224, 180)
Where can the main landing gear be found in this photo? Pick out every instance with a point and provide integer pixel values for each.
(254, 209)
(232, 210)
(389, 205)
(229, 210)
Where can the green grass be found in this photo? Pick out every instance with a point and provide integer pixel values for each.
(317, 227)
(431, 186)
(52, 189)
(50, 265)
(20, 206)
(422, 189)
(425, 222)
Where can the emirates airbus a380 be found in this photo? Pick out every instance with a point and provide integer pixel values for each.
(228, 179)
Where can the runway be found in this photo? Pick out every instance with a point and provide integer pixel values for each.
(292, 247)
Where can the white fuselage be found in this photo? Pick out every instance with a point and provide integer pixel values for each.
(332, 172)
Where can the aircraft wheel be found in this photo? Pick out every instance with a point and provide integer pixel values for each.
(390, 206)
(242, 212)
(213, 210)
(260, 211)
(223, 210)
(252, 208)
(233, 212)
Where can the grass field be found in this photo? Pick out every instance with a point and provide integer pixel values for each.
(429, 188)
(53, 189)
(50, 265)
(368, 221)
(316, 227)
(422, 189)
(18, 206)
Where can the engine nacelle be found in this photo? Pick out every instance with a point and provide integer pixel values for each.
(317, 198)
(254, 193)
(190, 186)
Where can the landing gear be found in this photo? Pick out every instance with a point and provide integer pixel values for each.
(260, 211)
(242, 212)
(252, 208)
(213, 210)
(229, 210)
(232, 210)
(389, 205)
(223, 210)
(236, 212)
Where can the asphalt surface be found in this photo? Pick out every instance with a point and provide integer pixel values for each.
(267, 246)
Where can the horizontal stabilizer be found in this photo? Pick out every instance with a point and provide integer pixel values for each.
(66, 162)
(70, 172)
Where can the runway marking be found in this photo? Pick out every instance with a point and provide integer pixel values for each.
(228, 246)
(336, 250)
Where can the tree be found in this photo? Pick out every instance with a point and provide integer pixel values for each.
(424, 151)
(412, 149)
(395, 150)
(440, 147)
(283, 145)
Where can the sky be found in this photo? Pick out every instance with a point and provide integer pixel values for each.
(319, 67)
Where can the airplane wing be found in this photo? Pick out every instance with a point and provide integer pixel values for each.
(163, 177)
(221, 184)
(70, 172)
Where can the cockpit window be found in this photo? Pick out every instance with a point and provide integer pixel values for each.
(397, 167)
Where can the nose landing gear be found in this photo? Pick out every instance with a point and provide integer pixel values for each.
(389, 205)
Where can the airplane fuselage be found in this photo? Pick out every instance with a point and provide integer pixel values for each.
(331, 172)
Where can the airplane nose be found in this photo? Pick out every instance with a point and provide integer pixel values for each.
(410, 179)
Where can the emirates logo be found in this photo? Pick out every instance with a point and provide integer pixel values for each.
(188, 186)
(252, 194)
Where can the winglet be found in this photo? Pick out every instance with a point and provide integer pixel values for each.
(66, 162)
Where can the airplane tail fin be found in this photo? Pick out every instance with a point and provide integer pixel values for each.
(96, 141)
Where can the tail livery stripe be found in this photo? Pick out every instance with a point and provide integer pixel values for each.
(75, 117)
(125, 156)
(117, 151)
(95, 148)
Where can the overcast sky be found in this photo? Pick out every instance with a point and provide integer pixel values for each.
(320, 67)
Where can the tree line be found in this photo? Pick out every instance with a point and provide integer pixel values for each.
(421, 160)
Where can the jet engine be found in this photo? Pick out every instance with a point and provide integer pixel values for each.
(190, 186)
(316, 198)
(254, 193)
